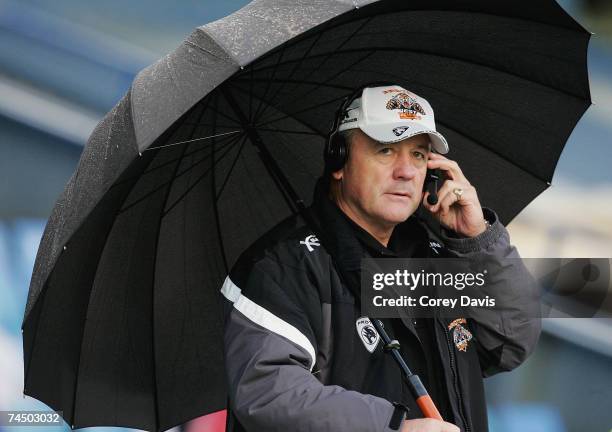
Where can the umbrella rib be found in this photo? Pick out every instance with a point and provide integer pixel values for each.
(252, 212)
(159, 187)
(433, 54)
(210, 125)
(294, 202)
(269, 84)
(72, 420)
(42, 294)
(226, 146)
(295, 67)
(213, 186)
(298, 64)
(192, 140)
(365, 22)
(296, 156)
(425, 85)
(438, 121)
(288, 131)
(225, 180)
(169, 188)
(483, 107)
(204, 174)
(126, 334)
(327, 80)
(222, 114)
(488, 108)
(276, 130)
(340, 72)
(285, 116)
(312, 128)
(495, 152)
(295, 41)
(74, 393)
(251, 96)
(406, 34)
(162, 165)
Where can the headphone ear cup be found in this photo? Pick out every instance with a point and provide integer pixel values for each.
(336, 154)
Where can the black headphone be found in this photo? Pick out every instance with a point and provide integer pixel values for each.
(336, 149)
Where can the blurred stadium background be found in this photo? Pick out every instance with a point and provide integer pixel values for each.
(64, 64)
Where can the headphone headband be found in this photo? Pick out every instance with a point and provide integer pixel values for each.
(336, 149)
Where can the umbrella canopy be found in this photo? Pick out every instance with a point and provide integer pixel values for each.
(216, 142)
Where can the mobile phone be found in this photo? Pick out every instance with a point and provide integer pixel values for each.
(433, 180)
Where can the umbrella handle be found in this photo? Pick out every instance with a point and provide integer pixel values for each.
(428, 407)
(423, 399)
(415, 384)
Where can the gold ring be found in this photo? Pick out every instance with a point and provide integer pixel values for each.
(458, 192)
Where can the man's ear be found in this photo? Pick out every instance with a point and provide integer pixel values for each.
(337, 175)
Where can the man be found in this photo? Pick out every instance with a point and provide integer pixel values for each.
(294, 357)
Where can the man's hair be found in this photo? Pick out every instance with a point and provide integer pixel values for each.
(347, 135)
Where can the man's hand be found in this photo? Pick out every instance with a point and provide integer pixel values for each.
(428, 425)
(458, 208)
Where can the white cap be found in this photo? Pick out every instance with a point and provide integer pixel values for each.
(390, 114)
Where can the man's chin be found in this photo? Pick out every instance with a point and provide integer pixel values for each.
(397, 216)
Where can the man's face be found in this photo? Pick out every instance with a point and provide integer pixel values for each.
(382, 184)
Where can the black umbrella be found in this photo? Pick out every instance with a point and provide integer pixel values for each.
(219, 140)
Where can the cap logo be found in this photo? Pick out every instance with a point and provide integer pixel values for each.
(398, 131)
(346, 118)
(409, 108)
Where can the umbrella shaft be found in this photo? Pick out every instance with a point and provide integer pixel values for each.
(293, 200)
(415, 385)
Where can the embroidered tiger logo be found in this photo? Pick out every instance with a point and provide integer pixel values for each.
(409, 108)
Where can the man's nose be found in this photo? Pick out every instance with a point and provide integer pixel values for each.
(404, 168)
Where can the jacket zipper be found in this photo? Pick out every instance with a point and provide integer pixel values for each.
(451, 352)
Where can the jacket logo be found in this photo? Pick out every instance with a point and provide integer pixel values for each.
(367, 333)
(435, 246)
(400, 130)
(461, 335)
(310, 241)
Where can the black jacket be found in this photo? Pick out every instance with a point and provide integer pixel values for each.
(294, 359)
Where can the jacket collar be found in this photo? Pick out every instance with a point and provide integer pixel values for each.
(348, 241)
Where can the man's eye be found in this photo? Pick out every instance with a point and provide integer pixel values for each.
(419, 155)
(385, 150)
